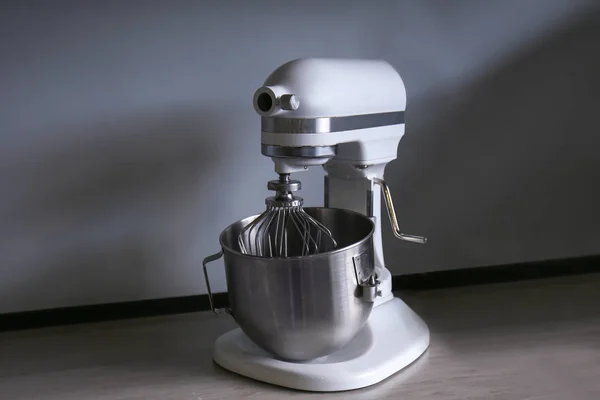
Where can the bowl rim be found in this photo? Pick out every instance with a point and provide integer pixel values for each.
(367, 237)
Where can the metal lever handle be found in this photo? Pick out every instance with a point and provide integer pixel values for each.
(208, 259)
(385, 190)
(369, 288)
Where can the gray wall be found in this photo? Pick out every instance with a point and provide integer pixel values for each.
(124, 126)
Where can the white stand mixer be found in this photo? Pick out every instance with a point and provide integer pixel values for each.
(347, 115)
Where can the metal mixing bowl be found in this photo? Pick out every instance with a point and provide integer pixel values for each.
(302, 308)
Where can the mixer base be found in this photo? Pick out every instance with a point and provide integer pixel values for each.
(393, 338)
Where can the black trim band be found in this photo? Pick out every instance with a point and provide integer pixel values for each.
(498, 273)
(179, 305)
(109, 312)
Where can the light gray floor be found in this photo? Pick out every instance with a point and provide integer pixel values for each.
(527, 340)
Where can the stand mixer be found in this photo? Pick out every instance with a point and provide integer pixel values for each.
(347, 116)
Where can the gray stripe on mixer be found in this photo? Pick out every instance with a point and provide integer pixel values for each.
(331, 124)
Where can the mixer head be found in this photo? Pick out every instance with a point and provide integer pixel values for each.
(284, 229)
(324, 111)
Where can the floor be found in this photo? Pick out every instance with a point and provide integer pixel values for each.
(527, 340)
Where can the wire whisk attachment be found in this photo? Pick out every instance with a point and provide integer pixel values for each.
(284, 229)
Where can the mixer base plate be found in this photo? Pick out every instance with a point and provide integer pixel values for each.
(393, 338)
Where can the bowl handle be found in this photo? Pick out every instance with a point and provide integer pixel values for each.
(208, 259)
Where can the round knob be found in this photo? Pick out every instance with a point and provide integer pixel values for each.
(289, 102)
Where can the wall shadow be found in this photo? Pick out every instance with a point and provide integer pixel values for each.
(504, 170)
(108, 208)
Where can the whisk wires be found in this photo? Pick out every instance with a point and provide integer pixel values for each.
(284, 229)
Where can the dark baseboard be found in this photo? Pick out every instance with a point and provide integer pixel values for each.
(498, 273)
(108, 312)
(179, 305)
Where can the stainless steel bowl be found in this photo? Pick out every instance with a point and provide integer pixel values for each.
(302, 308)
